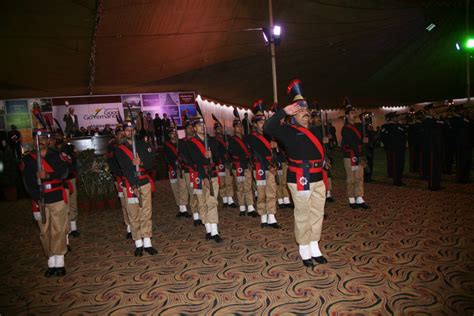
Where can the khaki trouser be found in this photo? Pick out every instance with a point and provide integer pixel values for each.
(266, 195)
(72, 202)
(354, 180)
(226, 185)
(123, 203)
(309, 212)
(53, 234)
(140, 217)
(329, 187)
(244, 189)
(192, 201)
(207, 203)
(180, 191)
(282, 190)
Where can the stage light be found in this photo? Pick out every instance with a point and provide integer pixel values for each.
(265, 37)
(458, 47)
(470, 43)
(276, 30)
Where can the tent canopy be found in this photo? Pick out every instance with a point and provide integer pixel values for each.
(375, 52)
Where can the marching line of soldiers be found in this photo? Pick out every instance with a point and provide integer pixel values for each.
(278, 156)
(435, 141)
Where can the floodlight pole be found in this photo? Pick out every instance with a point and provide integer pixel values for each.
(468, 71)
(272, 51)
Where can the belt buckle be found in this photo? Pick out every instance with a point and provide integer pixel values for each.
(47, 186)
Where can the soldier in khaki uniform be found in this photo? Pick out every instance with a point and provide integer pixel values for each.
(264, 169)
(204, 161)
(354, 162)
(54, 225)
(189, 172)
(114, 168)
(305, 173)
(139, 187)
(226, 181)
(172, 149)
(240, 155)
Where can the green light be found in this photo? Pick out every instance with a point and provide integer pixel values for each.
(470, 43)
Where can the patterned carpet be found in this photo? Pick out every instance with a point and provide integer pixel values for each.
(413, 253)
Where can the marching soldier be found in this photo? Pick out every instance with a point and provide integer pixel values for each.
(305, 173)
(71, 182)
(172, 147)
(317, 122)
(189, 172)
(204, 162)
(226, 184)
(240, 154)
(462, 129)
(49, 200)
(413, 138)
(385, 132)
(354, 161)
(433, 148)
(283, 195)
(265, 169)
(117, 173)
(139, 188)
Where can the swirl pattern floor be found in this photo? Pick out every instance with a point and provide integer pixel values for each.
(413, 253)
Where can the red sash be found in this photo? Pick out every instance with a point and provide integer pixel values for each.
(46, 166)
(263, 140)
(172, 148)
(143, 175)
(199, 145)
(299, 171)
(355, 130)
(242, 145)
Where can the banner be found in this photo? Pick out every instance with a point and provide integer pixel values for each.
(170, 103)
(94, 115)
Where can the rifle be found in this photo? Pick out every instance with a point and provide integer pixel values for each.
(39, 166)
(178, 160)
(364, 135)
(134, 151)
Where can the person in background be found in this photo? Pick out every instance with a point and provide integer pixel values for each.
(107, 130)
(71, 121)
(166, 125)
(14, 140)
(246, 124)
(158, 126)
(149, 128)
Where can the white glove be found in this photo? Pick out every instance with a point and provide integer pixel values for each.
(37, 216)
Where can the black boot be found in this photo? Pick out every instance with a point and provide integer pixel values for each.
(150, 250)
(50, 272)
(320, 260)
(139, 252)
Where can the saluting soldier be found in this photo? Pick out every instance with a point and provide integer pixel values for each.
(172, 148)
(52, 196)
(354, 162)
(204, 162)
(139, 187)
(240, 155)
(226, 184)
(264, 169)
(305, 172)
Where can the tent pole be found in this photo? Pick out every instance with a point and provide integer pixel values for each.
(272, 51)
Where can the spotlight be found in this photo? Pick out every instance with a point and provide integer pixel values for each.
(273, 37)
(276, 30)
(265, 36)
(470, 43)
(458, 47)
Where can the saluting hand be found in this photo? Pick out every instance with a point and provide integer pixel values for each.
(292, 109)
